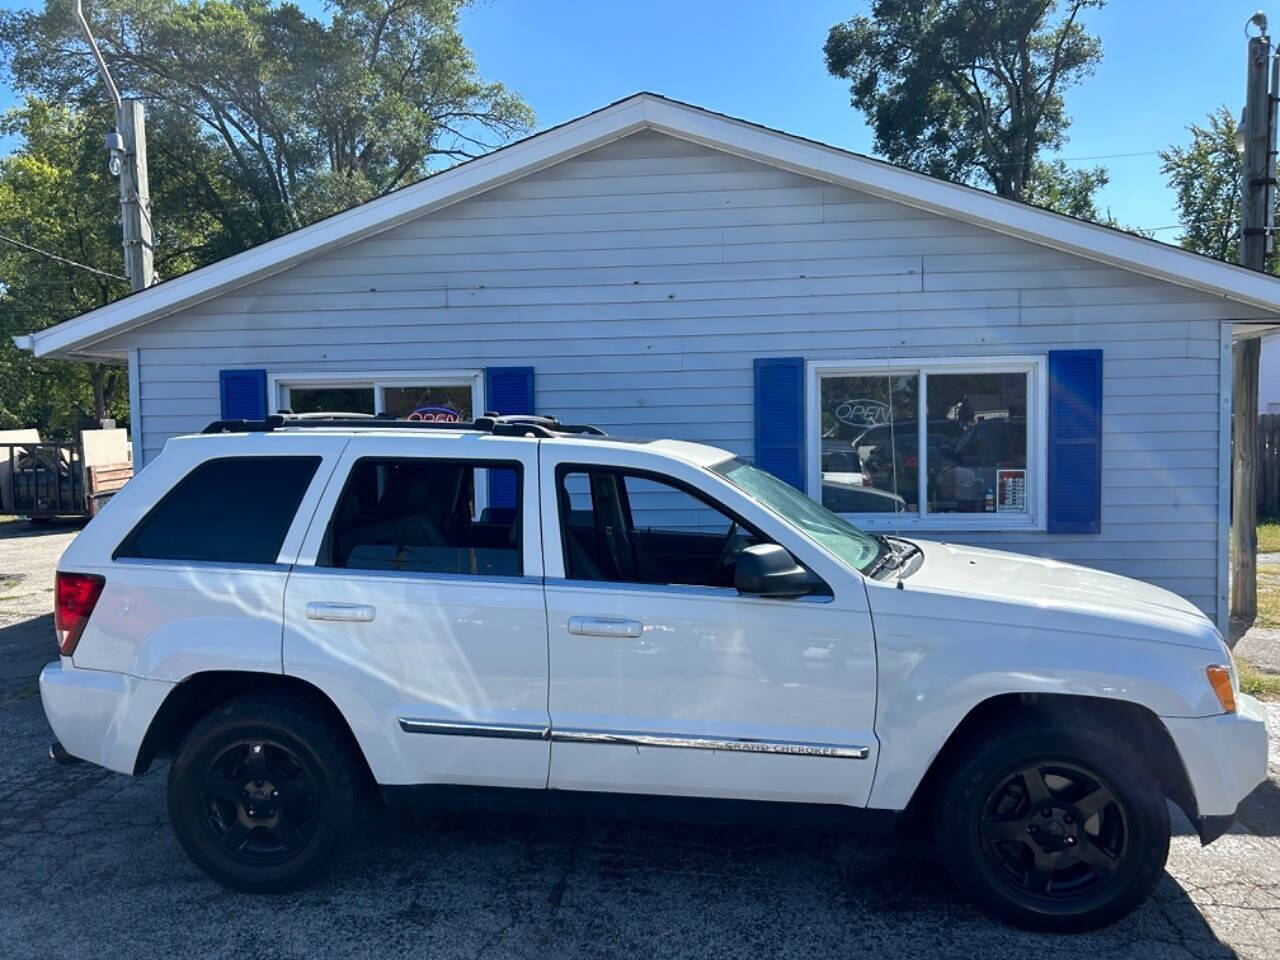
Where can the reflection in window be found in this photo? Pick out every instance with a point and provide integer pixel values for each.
(978, 443)
(331, 399)
(869, 438)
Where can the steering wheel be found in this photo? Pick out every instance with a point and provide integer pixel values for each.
(727, 552)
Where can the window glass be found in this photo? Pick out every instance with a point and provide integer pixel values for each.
(331, 399)
(231, 510)
(835, 533)
(418, 516)
(869, 440)
(448, 404)
(628, 528)
(977, 436)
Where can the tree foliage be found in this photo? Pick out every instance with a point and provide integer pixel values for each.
(1205, 176)
(313, 116)
(972, 90)
(57, 196)
(260, 119)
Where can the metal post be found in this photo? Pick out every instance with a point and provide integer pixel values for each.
(1253, 251)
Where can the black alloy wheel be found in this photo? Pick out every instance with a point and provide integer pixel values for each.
(266, 791)
(1054, 831)
(1051, 821)
(259, 802)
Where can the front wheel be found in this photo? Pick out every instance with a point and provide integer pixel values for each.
(263, 794)
(1053, 826)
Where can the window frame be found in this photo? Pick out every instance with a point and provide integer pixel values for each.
(280, 384)
(479, 467)
(1034, 366)
(565, 467)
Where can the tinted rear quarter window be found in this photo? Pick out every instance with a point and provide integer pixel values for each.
(229, 510)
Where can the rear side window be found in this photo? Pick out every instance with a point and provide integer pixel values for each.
(422, 516)
(230, 510)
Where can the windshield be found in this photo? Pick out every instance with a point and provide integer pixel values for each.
(839, 536)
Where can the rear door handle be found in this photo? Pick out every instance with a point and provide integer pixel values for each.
(358, 612)
(604, 627)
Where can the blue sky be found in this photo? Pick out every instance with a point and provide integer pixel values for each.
(1166, 63)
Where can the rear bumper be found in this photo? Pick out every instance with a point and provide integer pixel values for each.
(1225, 758)
(100, 716)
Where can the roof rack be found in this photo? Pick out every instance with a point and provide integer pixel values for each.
(514, 425)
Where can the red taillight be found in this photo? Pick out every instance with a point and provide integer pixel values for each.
(74, 597)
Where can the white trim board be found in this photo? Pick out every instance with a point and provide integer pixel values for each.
(647, 111)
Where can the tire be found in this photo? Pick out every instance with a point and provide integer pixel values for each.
(264, 792)
(1055, 825)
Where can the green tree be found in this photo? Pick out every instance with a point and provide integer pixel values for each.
(972, 90)
(59, 214)
(312, 116)
(1205, 177)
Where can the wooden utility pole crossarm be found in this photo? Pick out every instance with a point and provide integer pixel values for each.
(1256, 191)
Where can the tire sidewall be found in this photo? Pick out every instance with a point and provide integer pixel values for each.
(958, 819)
(314, 748)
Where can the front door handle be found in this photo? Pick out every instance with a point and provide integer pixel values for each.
(604, 627)
(357, 612)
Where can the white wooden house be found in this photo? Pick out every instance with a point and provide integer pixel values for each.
(931, 357)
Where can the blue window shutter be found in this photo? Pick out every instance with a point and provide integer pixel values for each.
(244, 394)
(1075, 441)
(507, 390)
(780, 418)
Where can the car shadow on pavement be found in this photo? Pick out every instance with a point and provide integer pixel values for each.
(602, 887)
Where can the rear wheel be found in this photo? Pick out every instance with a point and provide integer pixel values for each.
(1053, 827)
(263, 793)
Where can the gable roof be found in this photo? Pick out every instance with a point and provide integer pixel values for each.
(647, 111)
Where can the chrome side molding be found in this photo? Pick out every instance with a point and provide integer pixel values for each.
(736, 744)
(457, 728)
(529, 731)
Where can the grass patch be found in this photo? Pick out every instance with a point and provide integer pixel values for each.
(1269, 535)
(1257, 683)
(1268, 596)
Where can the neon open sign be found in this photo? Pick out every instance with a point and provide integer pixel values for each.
(435, 414)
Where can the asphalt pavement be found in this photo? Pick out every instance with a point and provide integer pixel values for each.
(89, 868)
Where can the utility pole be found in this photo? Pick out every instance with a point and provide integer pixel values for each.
(135, 200)
(1257, 196)
(127, 148)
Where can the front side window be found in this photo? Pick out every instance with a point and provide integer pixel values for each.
(419, 516)
(937, 440)
(229, 510)
(625, 527)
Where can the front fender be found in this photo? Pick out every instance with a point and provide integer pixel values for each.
(940, 657)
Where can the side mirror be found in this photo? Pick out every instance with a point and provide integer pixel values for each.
(768, 570)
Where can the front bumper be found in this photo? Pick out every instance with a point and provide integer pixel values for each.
(100, 716)
(1225, 758)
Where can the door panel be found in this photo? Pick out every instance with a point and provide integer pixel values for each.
(788, 675)
(442, 676)
(700, 691)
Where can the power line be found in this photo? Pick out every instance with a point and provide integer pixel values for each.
(54, 256)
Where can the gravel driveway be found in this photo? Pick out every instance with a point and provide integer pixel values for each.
(89, 868)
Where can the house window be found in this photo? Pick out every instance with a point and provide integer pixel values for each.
(929, 443)
(445, 396)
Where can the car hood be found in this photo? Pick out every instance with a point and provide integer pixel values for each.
(1077, 596)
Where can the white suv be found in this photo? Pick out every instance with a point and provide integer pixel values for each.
(517, 610)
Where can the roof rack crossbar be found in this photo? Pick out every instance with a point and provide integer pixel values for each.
(515, 425)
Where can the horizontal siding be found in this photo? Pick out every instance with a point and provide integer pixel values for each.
(642, 279)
